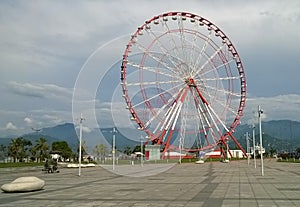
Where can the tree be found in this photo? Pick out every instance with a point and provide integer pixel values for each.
(273, 151)
(84, 148)
(127, 150)
(63, 148)
(40, 150)
(3, 151)
(18, 148)
(137, 148)
(100, 150)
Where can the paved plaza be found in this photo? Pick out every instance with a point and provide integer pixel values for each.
(210, 184)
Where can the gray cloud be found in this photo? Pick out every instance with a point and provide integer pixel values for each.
(44, 44)
(39, 90)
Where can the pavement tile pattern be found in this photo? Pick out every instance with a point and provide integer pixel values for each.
(211, 184)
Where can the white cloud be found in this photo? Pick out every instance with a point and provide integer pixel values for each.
(10, 126)
(275, 108)
(27, 120)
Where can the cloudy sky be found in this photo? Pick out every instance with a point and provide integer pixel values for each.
(50, 49)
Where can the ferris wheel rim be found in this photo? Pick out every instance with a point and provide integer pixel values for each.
(217, 31)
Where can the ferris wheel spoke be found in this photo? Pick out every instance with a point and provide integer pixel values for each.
(223, 78)
(222, 90)
(162, 48)
(194, 46)
(157, 59)
(213, 69)
(209, 59)
(153, 83)
(182, 36)
(203, 49)
(221, 103)
(161, 109)
(172, 41)
(208, 123)
(158, 94)
(155, 70)
(203, 119)
(218, 118)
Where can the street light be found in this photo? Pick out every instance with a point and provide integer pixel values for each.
(142, 155)
(260, 111)
(80, 138)
(114, 147)
(253, 138)
(247, 143)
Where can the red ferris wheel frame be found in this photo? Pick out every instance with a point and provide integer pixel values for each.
(163, 137)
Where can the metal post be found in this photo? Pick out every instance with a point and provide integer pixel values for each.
(260, 139)
(114, 147)
(253, 138)
(180, 149)
(142, 155)
(80, 138)
(247, 142)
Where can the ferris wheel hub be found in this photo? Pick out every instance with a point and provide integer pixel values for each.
(190, 82)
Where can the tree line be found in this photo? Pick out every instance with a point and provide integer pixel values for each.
(21, 149)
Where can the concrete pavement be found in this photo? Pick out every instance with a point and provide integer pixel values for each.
(210, 184)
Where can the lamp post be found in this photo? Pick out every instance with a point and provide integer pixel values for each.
(80, 140)
(142, 155)
(253, 139)
(260, 111)
(114, 147)
(247, 143)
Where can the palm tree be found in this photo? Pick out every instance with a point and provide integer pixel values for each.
(127, 150)
(41, 149)
(17, 148)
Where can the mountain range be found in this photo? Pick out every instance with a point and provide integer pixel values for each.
(281, 135)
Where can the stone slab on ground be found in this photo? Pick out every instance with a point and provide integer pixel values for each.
(23, 184)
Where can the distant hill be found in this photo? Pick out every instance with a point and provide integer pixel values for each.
(282, 135)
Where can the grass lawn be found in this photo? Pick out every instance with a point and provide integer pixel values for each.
(20, 164)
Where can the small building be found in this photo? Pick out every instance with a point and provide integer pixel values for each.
(152, 152)
(55, 155)
(217, 154)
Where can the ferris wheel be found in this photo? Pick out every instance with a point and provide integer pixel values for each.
(183, 83)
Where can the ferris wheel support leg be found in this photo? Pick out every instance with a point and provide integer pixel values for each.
(167, 145)
(237, 144)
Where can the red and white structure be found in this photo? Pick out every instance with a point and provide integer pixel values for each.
(183, 83)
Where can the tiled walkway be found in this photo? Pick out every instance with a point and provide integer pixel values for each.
(210, 184)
